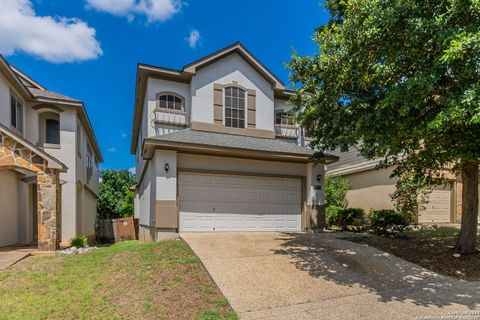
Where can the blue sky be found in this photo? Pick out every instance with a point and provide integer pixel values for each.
(94, 56)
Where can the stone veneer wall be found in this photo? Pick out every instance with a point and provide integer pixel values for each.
(16, 155)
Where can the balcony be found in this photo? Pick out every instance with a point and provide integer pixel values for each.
(177, 118)
(285, 131)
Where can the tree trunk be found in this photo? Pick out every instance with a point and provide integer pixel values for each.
(468, 232)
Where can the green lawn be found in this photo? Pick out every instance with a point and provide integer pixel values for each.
(431, 249)
(127, 280)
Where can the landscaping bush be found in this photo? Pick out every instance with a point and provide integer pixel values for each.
(384, 221)
(344, 217)
(79, 242)
(336, 188)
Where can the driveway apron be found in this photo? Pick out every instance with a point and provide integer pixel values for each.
(318, 276)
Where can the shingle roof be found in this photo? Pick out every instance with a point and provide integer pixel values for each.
(350, 159)
(39, 93)
(233, 141)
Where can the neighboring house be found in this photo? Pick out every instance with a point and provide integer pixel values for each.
(372, 189)
(48, 164)
(215, 150)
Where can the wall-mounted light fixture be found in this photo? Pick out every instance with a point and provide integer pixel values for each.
(319, 178)
(167, 167)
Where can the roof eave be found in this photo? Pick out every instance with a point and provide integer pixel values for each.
(150, 145)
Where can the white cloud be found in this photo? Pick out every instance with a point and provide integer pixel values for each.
(112, 149)
(55, 39)
(153, 10)
(124, 135)
(132, 170)
(193, 38)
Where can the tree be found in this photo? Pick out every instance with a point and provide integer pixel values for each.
(116, 198)
(336, 188)
(399, 79)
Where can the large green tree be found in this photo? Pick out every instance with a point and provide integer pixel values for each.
(399, 79)
(116, 198)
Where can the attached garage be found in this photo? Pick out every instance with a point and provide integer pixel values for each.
(233, 202)
(439, 208)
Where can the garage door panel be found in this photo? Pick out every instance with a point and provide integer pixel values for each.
(239, 203)
(438, 209)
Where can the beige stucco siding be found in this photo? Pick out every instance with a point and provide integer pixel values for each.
(370, 189)
(9, 208)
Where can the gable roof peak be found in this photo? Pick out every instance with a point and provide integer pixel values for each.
(243, 52)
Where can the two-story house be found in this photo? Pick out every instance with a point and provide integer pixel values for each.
(216, 151)
(49, 161)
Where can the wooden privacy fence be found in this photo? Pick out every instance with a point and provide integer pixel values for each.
(120, 229)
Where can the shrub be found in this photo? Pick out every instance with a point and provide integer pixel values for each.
(411, 195)
(343, 217)
(79, 242)
(336, 188)
(384, 221)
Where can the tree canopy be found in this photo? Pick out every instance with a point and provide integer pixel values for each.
(116, 199)
(398, 79)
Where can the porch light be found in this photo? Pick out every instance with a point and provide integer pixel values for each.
(167, 167)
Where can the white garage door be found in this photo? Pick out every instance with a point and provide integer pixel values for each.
(222, 202)
(439, 207)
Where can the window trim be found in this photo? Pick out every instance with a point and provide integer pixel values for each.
(245, 106)
(43, 117)
(166, 109)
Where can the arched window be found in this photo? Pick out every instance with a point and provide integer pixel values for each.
(170, 101)
(52, 131)
(234, 107)
(283, 117)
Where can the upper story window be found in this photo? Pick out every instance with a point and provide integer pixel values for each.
(283, 117)
(89, 163)
(49, 124)
(170, 101)
(79, 140)
(234, 107)
(16, 111)
(52, 131)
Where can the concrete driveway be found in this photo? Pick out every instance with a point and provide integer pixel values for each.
(317, 276)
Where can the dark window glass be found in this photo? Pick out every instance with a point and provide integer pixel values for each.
(52, 134)
(16, 113)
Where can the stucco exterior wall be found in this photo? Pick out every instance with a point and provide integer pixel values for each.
(81, 160)
(9, 208)
(370, 189)
(225, 71)
(144, 195)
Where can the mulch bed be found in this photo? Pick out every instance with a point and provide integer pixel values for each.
(431, 249)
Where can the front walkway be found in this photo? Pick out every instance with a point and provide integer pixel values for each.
(12, 254)
(316, 276)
